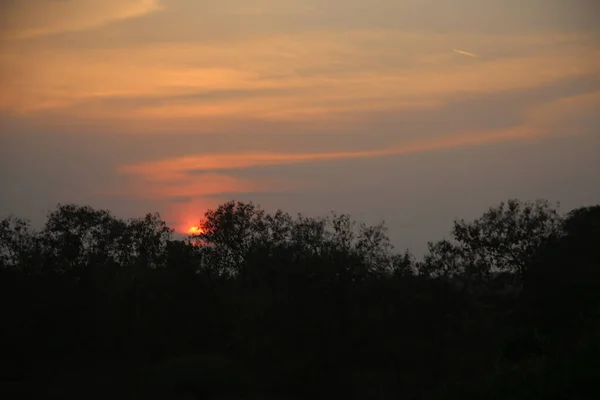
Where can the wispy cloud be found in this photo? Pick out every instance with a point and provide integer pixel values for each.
(202, 175)
(213, 174)
(465, 53)
(34, 18)
(323, 76)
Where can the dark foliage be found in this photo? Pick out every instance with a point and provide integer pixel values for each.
(272, 306)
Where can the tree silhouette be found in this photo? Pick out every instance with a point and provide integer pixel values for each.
(564, 281)
(503, 239)
(260, 304)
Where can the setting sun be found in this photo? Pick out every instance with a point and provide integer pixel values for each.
(195, 230)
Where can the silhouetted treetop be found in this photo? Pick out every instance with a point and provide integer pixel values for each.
(503, 239)
(270, 305)
(234, 230)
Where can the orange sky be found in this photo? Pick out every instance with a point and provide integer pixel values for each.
(177, 105)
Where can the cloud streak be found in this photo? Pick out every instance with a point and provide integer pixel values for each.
(213, 174)
(465, 53)
(35, 18)
(322, 76)
(203, 175)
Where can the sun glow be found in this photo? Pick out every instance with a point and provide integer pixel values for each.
(195, 230)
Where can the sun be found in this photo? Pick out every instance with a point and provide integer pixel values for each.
(195, 230)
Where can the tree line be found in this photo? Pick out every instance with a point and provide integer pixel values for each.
(260, 304)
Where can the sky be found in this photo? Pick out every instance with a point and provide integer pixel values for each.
(416, 112)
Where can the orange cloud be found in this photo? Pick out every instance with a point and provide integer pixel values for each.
(32, 18)
(179, 168)
(201, 175)
(198, 176)
(308, 77)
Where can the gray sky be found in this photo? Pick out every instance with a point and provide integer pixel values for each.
(416, 112)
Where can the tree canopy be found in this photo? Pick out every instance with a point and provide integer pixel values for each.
(259, 304)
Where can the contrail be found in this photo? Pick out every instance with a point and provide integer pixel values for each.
(464, 53)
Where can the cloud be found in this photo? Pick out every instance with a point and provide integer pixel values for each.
(316, 77)
(201, 175)
(34, 18)
(465, 53)
(181, 167)
(233, 19)
(143, 76)
(214, 174)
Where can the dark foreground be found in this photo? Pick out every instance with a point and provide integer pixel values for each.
(273, 307)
